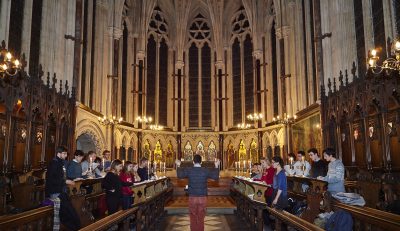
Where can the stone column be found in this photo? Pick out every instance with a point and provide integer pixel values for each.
(229, 84)
(26, 31)
(171, 90)
(5, 20)
(368, 26)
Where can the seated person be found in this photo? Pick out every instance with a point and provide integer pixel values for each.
(255, 171)
(289, 168)
(318, 166)
(88, 166)
(143, 171)
(301, 166)
(73, 168)
(107, 160)
(335, 175)
(98, 168)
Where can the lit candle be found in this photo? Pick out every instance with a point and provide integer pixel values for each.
(123, 162)
(302, 159)
(291, 160)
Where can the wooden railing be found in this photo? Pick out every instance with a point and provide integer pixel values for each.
(250, 208)
(120, 220)
(37, 219)
(149, 202)
(364, 218)
(284, 219)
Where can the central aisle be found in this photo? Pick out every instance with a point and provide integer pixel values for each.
(220, 215)
(212, 222)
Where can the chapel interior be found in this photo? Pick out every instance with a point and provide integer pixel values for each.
(233, 80)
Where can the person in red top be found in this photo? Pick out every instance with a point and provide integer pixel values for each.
(268, 178)
(126, 176)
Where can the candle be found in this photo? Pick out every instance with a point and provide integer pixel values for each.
(103, 165)
(164, 168)
(291, 160)
(123, 162)
(239, 164)
(236, 165)
(91, 159)
(302, 159)
(244, 164)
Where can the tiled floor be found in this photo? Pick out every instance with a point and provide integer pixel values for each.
(212, 222)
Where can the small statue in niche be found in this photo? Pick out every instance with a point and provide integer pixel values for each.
(200, 150)
(231, 155)
(242, 151)
(169, 155)
(147, 151)
(253, 152)
(188, 153)
(212, 153)
(158, 153)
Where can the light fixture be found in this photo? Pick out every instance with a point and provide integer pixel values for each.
(390, 64)
(285, 119)
(254, 116)
(9, 66)
(156, 127)
(109, 120)
(144, 119)
(243, 126)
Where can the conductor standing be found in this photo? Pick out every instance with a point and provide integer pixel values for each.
(197, 189)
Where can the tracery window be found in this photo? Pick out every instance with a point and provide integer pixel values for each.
(200, 65)
(242, 67)
(157, 67)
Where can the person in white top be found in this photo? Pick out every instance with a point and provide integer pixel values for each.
(301, 167)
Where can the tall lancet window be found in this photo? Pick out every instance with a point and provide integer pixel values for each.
(124, 70)
(157, 68)
(242, 67)
(199, 60)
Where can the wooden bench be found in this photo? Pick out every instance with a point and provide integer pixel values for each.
(364, 218)
(251, 209)
(37, 219)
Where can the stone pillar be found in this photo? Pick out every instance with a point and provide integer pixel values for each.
(368, 26)
(26, 31)
(171, 90)
(5, 20)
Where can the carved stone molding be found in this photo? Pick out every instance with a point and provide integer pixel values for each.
(285, 32)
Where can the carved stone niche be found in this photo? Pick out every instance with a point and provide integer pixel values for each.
(21, 133)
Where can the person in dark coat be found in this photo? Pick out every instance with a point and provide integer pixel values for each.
(197, 189)
(55, 190)
(113, 187)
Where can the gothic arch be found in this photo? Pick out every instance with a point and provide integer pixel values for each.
(93, 130)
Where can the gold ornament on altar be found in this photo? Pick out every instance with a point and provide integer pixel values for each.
(242, 151)
(253, 151)
(158, 157)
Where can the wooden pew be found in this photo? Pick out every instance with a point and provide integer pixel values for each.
(364, 218)
(284, 219)
(147, 210)
(251, 209)
(120, 220)
(37, 219)
(84, 203)
(250, 201)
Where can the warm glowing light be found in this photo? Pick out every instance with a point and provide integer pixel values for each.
(397, 45)
(4, 66)
(373, 52)
(17, 63)
(8, 56)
